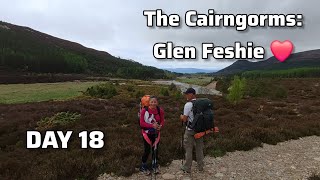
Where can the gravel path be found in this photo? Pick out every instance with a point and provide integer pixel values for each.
(212, 85)
(294, 159)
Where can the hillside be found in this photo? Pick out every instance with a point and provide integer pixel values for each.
(297, 60)
(22, 48)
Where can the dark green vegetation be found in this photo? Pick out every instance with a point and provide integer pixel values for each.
(164, 92)
(296, 60)
(287, 73)
(266, 88)
(258, 88)
(58, 119)
(236, 90)
(23, 48)
(264, 83)
(105, 90)
(248, 124)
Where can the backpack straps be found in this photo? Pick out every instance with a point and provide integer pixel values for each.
(158, 109)
(144, 134)
(193, 112)
(146, 108)
(193, 107)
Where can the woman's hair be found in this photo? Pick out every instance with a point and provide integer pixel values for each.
(154, 97)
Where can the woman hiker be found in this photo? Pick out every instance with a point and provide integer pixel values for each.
(151, 122)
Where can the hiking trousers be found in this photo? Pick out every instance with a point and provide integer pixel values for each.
(147, 148)
(189, 141)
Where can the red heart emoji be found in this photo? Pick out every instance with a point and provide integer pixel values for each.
(281, 50)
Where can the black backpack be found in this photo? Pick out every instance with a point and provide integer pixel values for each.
(203, 115)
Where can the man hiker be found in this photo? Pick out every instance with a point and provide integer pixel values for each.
(189, 139)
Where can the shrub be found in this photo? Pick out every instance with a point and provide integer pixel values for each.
(106, 90)
(257, 88)
(217, 153)
(178, 95)
(130, 88)
(279, 93)
(260, 88)
(223, 84)
(164, 92)
(172, 87)
(236, 90)
(314, 177)
(59, 119)
(139, 94)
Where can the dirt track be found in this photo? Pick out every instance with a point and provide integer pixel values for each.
(295, 159)
(212, 85)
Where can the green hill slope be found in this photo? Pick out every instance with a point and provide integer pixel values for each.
(22, 48)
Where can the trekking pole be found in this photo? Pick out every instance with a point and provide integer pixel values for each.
(155, 161)
(182, 124)
(154, 158)
(152, 155)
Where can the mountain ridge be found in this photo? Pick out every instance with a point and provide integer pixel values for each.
(24, 48)
(309, 58)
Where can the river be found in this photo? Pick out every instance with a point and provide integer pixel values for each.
(184, 86)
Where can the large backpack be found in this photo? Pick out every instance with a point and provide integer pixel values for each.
(203, 115)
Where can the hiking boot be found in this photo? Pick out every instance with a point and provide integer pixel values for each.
(155, 169)
(144, 168)
(185, 170)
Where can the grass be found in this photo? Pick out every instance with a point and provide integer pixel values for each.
(23, 93)
(197, 80)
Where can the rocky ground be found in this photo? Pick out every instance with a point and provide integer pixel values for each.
(294, 159)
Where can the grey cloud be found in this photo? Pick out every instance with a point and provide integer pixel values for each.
(119, 27)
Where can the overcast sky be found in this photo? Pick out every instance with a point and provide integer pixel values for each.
(119, 27)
